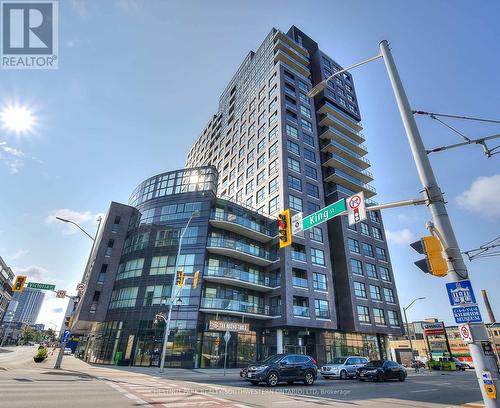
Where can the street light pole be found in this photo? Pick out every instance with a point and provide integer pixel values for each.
(407, 326)
(173, 295)
(456, 266)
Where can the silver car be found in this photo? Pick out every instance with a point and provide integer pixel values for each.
(343, 367)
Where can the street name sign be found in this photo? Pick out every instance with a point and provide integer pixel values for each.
(356, 210)
(460, 293)
(325, 214)
(467, 314)
(42, 286)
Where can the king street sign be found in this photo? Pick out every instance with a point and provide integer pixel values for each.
(460, 293)
(329, 212)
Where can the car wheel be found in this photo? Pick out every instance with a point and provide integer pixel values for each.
(402, 376)
(309, 378)
(380, 377)
(254, 382)
(272, 379)
(343, 375)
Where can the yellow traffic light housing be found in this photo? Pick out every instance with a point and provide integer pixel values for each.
(195, 279)
(434, 262)
(284, 228)
(180, 278)
(19, 283)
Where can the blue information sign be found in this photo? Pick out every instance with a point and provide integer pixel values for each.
(66, 335)
(467, 314)
(460, 293)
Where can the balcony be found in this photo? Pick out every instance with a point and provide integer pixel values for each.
(331, 120)
(235, 308)
(238, 277)
(291, 61)
(351, 144)
(241, 251)
(328, 107)
(352, 183)
(335, 147)
(299, 282)
(280, 44)
(299, 256)
(350, 168)
(301, 311)
(241, 225)
(286, 39)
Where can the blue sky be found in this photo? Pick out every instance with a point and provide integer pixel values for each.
(138, 80)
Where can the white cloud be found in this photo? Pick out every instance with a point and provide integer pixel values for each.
(18, 254)
(34, 273)
(80, 7)
(85, 217)
(401, 237)
(407, 218)
(14, 158)
(483, 196)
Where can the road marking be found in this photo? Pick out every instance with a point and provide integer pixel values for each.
(428, 390)
(186, 404)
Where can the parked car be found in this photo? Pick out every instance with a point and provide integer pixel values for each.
(243, 372)
(460, 365)
(343, 367)
(382, 370)
(283, 368)
(67, 351)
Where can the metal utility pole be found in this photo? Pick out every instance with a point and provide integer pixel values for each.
(437, 207)
(488, 306)
(408, 327)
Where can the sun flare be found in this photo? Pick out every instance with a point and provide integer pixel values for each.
(17, 119)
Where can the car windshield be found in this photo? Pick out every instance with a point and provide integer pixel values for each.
(338, 360)
(375, 363)
(271, 359)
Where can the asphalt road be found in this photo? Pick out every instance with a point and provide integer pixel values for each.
(24, 383)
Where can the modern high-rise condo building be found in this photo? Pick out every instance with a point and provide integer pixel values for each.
(267, 148)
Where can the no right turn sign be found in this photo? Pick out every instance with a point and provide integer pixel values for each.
(465, 333)
(356, 210)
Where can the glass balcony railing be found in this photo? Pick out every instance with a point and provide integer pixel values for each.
(349, 151)
(341, 123)
(234, 306)
(332, 107)
(351, 141)
(242, 247)
(239, 274)
(302, 311)
(300, 282)
(351, 179)
(245, 222)
(350, 165)
(299, 256)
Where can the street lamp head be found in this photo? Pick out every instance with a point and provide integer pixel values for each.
(62, 219)
(179, 301)
(195, 213)
(317, 89)
(422, 298)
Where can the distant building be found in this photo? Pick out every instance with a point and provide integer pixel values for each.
(30, 303)
(6, 278)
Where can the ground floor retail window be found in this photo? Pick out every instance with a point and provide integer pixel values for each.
(241, 349)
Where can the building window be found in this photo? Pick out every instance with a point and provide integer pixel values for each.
(389, 295)
(356, 267)
(250, 155)
(308, 155)
(306, 125)
(102, 273)
(124, 297)
(319, 281)
(384, 274)
(393, 317)
(371, 271)
(316, 234)
(294, 165)
(130, 269)
(273, 167)
(273, 185)
(291, 131)
(295, 202)
(273, 150)
(318, 256)
(312, 207)
(273, 133)
(374, 216)
(378, 316)
(299, 278)
(321, 309)
(363, 314)
(375, 293)
(273, 205)
(312, 190)
(353, 245)
(365, 230)
(367, 249)
(249, 187)
(261, 176)
(303, 86)
(311, 172)
(154, 294)
(261, 161)
(261, 195)
(381, 254)
(307, 139)
(294, 182)
(293, 147)
(261, 145)
(359, 290)
(250, 170)
(305, 111)
(300, 306)
(377, 233)
(109, 248)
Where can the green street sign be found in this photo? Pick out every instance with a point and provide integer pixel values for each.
(324, 214)
(43, 286)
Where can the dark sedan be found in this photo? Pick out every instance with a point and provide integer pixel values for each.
(283, 368)
(381, 370)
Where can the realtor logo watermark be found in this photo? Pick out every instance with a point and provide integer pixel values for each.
(29, 34)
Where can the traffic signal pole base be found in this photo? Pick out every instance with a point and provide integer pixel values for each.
(60, 356)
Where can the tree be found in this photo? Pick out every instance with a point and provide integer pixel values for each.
(28, 334)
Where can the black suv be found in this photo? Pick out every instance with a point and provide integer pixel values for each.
(283, 368)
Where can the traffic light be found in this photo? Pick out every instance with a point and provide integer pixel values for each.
(180, 279)
(434, 262)
(195, 279)
(19, 283)
(284, 228)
